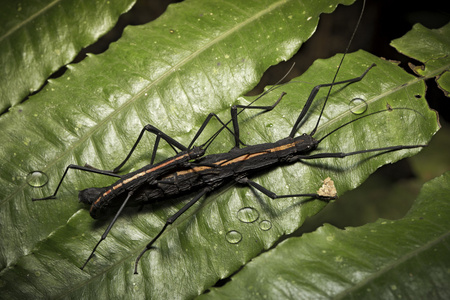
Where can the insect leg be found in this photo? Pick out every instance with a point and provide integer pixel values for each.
(168, 222)
(108, 229)
(272, 195)
(313, 94)
(234, 119)
(200, 130)
(159, 135)
(76, 167)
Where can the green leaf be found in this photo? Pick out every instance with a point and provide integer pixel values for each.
(172, 75)
(406, 258)
(444, 83)
(431, 47)
(39, 37)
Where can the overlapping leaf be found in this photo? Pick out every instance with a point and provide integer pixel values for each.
(369, 262)
(39, 37)
(172, 75)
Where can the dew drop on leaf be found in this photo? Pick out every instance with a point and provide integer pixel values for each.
(248, 215)
(37, 179)
(233, 237)
(358, 106)
(265, 225)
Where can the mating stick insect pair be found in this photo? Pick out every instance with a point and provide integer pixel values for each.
(191, 171)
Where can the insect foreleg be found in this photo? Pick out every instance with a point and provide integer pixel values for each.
(313, 94)
(169, 221)
(272, 195)
(76, 167)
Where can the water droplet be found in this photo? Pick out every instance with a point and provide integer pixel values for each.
(233, 236)
(37, 179)
(248, 215)
(358, 106)
(265, 225)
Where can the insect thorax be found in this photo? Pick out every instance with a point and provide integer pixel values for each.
(305, 143)
(196, 152)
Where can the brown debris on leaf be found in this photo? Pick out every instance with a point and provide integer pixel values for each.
(327, 189)
(389, 107)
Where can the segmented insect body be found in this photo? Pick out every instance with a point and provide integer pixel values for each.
(212, 171)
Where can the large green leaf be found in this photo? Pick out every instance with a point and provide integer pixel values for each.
(39, 37)
(406, 258)
(172, 76)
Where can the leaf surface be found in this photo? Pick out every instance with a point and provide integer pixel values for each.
(39, 37)
(406, 258)
(172, 76)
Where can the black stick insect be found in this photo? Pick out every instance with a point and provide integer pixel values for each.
(190, 170)
(119, 193)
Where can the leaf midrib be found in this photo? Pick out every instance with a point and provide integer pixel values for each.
(29, 19)
(391, 265)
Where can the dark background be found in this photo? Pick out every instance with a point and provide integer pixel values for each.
(390, 191)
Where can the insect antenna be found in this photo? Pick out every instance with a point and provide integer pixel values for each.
(339, 67)
(315, 90)
(345, 154)
(368, 115)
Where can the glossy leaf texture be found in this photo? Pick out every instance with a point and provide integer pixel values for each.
(39, 37)
(406, 258)
(172, 76)
(432, 48)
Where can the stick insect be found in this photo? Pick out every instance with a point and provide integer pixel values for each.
(102, 199)
(191, 171)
